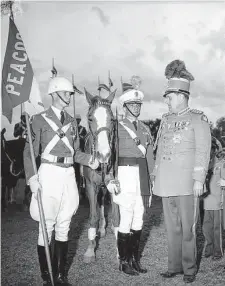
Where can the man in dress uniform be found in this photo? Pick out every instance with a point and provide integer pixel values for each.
(135, 165)
(182, 159)
(55, 136)
(82, 132)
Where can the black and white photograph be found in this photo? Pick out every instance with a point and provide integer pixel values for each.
(112, 143)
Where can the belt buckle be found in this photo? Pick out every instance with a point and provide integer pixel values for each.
(60, 160)
(61, 134)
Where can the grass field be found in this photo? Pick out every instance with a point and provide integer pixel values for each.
(20, 262)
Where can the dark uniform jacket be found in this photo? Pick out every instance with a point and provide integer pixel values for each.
(129, 149)
(184, 144)
(43, 134)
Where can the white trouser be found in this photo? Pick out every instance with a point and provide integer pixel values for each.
(130, 200)
(60, 200)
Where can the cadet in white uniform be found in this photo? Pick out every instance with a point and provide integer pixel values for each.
(135, 165)
(56, 139)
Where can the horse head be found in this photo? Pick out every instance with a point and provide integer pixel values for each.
(101, 124)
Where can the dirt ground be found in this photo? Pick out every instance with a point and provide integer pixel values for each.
(19, 262)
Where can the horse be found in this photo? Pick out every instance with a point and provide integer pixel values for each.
(100, 143)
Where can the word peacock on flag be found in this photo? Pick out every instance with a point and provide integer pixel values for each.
(17, 74)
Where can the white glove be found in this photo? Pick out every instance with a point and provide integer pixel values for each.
(35, 185)
(114, 187)
(93, 165)
(221, 183)
(150, 201)
(152, 182)
(198, 189)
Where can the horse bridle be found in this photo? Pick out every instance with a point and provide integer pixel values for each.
(12, 161)
(97, 132)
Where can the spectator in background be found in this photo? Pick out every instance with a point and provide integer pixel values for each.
(20, 128)
(214, 202)
(79, 168)
(20, 131)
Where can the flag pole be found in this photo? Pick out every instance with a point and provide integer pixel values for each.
(109, 82)
(11, 11)
(74, 114)
(121, 83)
(40, 206)
(52, 67)
(116, 147)
(98, 85)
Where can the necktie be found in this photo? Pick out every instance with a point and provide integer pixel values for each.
(62, 117)
(135, 124)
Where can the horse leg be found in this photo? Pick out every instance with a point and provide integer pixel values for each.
(102, 222)
(4, 197)
(89, 255)
(11, 195)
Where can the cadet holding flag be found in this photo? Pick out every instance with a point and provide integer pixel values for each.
(55, 133)
(182, 160)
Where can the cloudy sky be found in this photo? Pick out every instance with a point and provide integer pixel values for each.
(88, 39)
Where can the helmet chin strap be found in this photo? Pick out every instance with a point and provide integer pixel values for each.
(67, 103)
(130, 111)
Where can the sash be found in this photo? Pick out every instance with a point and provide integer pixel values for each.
(57, 137)
(133, 135)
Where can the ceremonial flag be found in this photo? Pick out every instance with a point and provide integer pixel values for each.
(126, 86)
(54, 72)
(34, 104)
(104, 86)
(17, 73)
(110, 83)
(77, 90)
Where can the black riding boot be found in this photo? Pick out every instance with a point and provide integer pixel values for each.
(135, 242)
(124, 254)
(59, 262)
(43, 265)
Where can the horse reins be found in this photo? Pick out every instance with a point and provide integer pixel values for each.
(11, 164)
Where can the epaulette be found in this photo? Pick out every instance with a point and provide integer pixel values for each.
(196, 111)
(203, 116)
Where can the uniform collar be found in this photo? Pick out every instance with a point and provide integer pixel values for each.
(50, 113)
(130, 123)
(57, 112)
(183, 112)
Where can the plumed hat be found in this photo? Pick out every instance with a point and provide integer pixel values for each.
(131, 92)
(178, 78)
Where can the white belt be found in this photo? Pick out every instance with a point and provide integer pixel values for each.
(57, 159)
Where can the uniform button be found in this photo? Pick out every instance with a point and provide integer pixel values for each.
(164, 157)
(169, 158)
